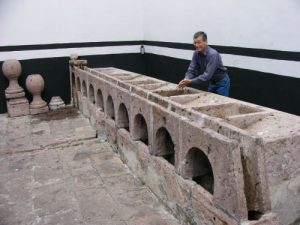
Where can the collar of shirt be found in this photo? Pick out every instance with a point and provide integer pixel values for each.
(205, 51)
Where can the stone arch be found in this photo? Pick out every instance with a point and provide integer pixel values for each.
(84, 90)
(100, 100)
(140, 129)
(164, 145)
(199, 169)
(74, 90)
(78, 84)
(255, 215)
(91, 94)
(73, 80)
(123, 118)
(110, 109)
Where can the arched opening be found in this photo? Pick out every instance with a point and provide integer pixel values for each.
(73, 80)
(100, 100)
(91, 94)
(123, 118)
(254, 215)
(110, 111)
(140, 129)
(78, 84)
(74, 90)
(164, 145)
(84, 90)
(199, 169)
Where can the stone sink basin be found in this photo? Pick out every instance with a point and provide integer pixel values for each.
(239, 115)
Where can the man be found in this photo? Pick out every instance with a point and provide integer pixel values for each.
(206, 65)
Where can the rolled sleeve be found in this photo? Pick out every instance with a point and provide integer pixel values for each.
(192, 70)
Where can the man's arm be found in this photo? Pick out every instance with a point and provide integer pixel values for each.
(192, 70)
(209, 71)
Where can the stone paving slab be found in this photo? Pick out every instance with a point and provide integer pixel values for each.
(28, 133)
(74, 181)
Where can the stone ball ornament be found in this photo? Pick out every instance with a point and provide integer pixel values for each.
(12, 70)
(35, 85)
(74, 56)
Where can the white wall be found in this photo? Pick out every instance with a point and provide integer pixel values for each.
(268, 24)
(24, 22)
(33, 22)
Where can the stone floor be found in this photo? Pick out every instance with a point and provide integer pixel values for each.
(53, 170)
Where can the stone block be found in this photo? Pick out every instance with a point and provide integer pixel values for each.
(140, 120)
(17, 107)
(214, 162)
(111, 130)
(165, 133)
(232, 158)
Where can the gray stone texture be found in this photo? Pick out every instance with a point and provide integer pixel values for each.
(210, 159)
(54, 170)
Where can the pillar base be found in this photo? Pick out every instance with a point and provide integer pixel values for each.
(17, 107)
(34, 111)
(9, 95)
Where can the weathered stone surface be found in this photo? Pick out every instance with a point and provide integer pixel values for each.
(111, 130)
(223, 154)
(17, 107)
(123, 110)
(165, 135)
(232, 150)
(139, 108)
(23, 134)
(72, 181)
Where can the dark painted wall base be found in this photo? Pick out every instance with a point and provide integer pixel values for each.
(266, 89)
(274, 91)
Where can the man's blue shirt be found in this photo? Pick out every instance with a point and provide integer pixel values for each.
(206, 66)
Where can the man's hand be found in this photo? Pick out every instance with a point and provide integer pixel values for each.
(184, 83)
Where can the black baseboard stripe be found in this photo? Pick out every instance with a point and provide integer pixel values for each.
(266, 89)
(68, 45)
(252, 52)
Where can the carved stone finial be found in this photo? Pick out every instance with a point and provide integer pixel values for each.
(35, 85)
(12, 70)
(74, 56)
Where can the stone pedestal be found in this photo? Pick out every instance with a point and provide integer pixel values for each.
(14, 92)
(74, 61)
(17, 107)
(35, 85)
(17, 104)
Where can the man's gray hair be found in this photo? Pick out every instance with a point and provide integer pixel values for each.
(200, 34)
